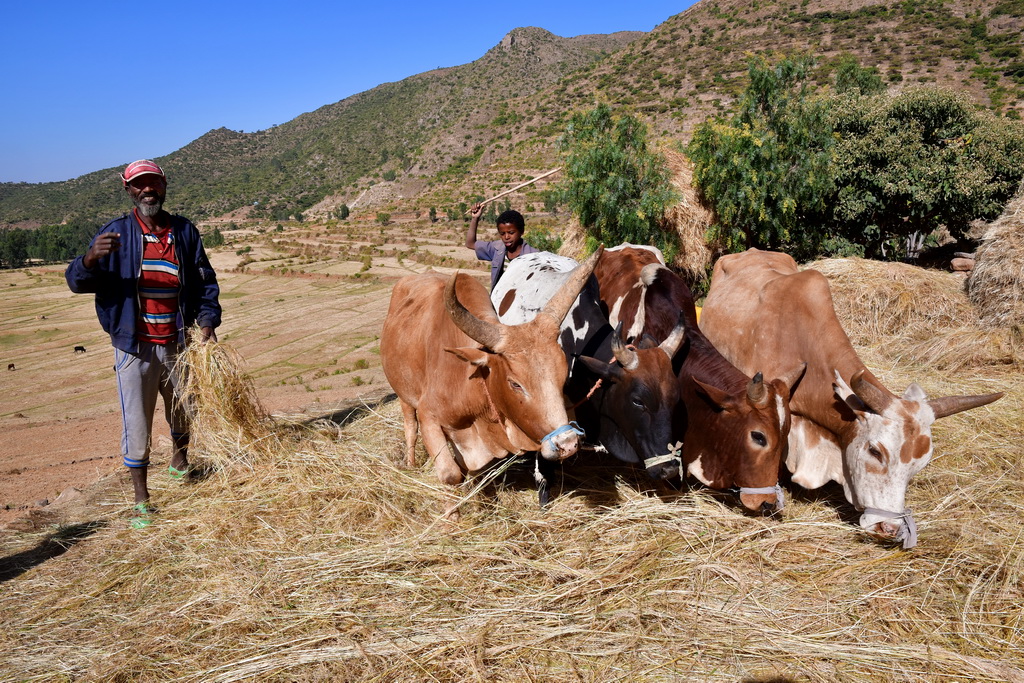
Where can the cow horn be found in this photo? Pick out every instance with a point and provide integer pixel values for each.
(756, 391)
(488, 334)
(675, 338)
(624, 354)
(558, 305)
(790, 378)
(870, 394)
(948, 405)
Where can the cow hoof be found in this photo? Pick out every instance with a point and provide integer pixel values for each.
(452, 515)
(543, 495)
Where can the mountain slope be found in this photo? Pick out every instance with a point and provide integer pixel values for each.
(445, 135)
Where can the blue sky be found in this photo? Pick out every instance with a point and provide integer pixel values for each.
(91, 85)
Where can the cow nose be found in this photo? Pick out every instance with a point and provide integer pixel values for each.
(762, 503)
(561, 447)
(887, 529)
(561, 442)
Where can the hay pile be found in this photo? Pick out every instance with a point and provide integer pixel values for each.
(688, 220)
(920, 316)
(317, 557)
(996, 285)
(226, 415)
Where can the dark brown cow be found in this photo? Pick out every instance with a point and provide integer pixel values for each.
(477, 389)
(733, 427)
(762, 312)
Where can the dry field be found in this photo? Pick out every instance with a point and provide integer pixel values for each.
(309, 553)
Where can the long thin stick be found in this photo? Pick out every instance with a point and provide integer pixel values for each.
(520, 186)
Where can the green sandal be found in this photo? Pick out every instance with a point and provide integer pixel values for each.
(143, 515)
(179, 474)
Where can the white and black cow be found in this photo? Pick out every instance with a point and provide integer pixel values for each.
(624, 397)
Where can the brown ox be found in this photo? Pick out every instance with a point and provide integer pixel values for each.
(733, 427)
(762, 312)
(478, 389)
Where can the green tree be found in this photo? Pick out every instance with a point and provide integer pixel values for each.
(851, 77)
(617, 186)
(342, 212)
(909, 164)
(214, 239)
(13, 248)
(383, 217)
(767, 171)
(544, 238)
(433, 214)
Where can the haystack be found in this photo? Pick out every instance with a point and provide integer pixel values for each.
(919, 315)
(688, 220)
(996, 285)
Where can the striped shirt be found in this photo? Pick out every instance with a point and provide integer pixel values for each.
(158, 287)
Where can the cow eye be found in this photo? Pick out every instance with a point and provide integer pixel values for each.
(759, 438)
(516, 386)
(638, 403)
(875, 453)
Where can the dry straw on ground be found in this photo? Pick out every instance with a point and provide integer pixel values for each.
(996, 285)
(322, 558)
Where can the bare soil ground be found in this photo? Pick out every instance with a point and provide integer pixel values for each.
(304, 313)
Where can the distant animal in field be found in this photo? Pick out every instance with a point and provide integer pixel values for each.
(41, 317)
(79, 349)
(10, 366)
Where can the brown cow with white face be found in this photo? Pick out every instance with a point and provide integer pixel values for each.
(762, 312)
(477, 389)
(733, 427)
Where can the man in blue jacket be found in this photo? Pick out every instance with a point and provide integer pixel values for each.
(153, 282)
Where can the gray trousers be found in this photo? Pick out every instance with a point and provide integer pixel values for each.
(141, 379)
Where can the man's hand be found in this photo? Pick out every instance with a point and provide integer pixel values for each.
(105, 244)
(208, 334)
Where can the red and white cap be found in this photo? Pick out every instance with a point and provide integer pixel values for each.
(141, 167)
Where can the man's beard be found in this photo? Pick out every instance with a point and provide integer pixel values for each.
(149, 210)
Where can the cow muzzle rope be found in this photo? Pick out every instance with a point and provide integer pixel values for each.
(674, 455)
(571, 427)
(780, 496)
(908, 529)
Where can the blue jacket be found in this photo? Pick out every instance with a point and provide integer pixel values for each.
(115, 278)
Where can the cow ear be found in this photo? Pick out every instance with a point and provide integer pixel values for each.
(608, 371)
(718, 397)
(914, 393)
(846, 395)
(470, 354)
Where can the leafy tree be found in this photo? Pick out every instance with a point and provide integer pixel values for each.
(13, 248)
(551, 202)
(923, 159)
(768, 170)
(383, 217)
(342, 212)
(617, 186)
(390, 175)
(544, 238)
(433, 214)
(851, 77)
(214, 239)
